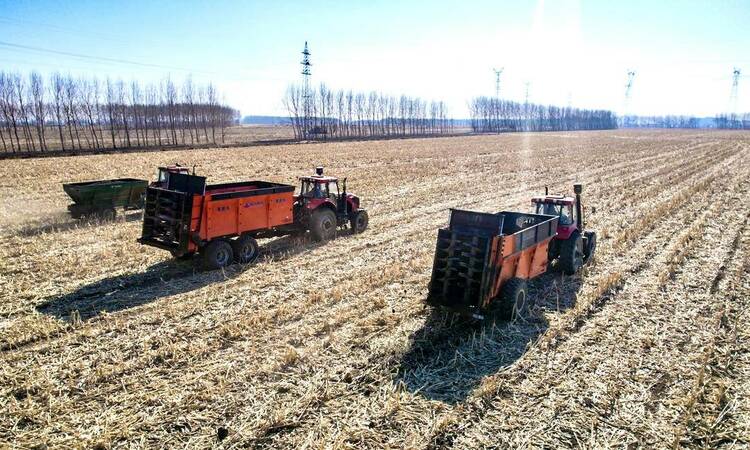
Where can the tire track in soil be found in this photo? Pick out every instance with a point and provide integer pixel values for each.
(707, 415)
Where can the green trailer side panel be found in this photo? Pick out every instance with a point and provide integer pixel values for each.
(92, 195)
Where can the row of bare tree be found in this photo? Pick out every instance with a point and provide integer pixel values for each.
(69, 114)
(323, 113)
(496, 115)
(668, 121)
(733, 121)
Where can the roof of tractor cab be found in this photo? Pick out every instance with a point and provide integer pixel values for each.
(554, 199)
(318, 178)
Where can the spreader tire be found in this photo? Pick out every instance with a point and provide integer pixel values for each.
(217, 254)
(513, 298)
(245, 249)
(359, 221)
(323, 225)
(571, 254)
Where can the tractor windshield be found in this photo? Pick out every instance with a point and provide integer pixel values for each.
(314, 190)
(565, 212)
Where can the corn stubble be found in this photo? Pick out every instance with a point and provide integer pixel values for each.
(106, 343)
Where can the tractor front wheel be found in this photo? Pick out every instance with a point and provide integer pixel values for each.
(323, 225)
(571, 254)
(359, 221)
(217, 254)
(245, 249)
(513, 298)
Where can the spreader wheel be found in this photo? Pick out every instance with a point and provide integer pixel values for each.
(359, 221)
(323, 224)
(217, 254)
(571, 254)
(513, 298)
(245, 249)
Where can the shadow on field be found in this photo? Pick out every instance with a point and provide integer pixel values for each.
(161, 280)
(66, 224)
(449, 355)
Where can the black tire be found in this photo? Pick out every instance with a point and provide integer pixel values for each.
(323, 224)
(359, 221)
(513, 298)
(245, 249)
(217, 254)
(571, 254)
(590, 246)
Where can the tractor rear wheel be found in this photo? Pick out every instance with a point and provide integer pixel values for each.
(359, 221)
(323, 224)
(590, 246)
(217, 254)
(571, 254)
(513, 298)
(245, 249)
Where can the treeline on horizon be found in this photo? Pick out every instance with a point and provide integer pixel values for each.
(720, 121)
(494, 115)
(323, 113)
(65, 113)
(733, 121)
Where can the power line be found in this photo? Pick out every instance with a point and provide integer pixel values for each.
(11, 45)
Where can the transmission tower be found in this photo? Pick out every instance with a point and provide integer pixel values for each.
(497, 81)
(628, 90)
(528, 83)
(306, 94)
(629, 85)
(733, 97)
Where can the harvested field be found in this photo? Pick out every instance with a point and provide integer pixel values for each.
(105, 342)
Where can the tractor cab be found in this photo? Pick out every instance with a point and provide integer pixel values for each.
(573, 246)
(162, 175)
(318, 190)
(561, 206)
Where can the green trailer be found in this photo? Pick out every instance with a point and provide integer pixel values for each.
(102, 198)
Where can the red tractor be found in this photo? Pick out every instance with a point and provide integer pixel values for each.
(321, 207)
(573, 246)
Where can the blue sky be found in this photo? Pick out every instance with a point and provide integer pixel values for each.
(569, 51)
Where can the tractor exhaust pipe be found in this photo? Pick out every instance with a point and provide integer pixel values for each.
(578, 189)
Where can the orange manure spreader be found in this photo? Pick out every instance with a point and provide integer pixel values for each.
(483, 259)
(222, 221)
